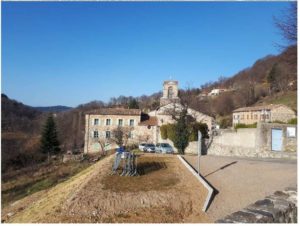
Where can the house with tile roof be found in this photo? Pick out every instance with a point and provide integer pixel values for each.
(264, 113)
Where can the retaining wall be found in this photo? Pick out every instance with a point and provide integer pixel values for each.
(254, 142)
(281, 207)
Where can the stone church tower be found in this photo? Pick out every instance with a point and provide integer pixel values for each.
(170, 92)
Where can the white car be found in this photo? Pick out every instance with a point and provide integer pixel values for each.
(141, 146)
(164, 148)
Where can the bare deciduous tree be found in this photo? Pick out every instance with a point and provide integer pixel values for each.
(288, 24)
(120, 135)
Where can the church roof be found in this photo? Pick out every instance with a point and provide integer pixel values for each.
(114, 111)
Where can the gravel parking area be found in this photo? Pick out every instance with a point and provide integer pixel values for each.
(242, 181)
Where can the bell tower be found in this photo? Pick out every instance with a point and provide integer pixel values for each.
(170, 92)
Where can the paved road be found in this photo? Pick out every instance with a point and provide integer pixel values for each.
(242, 181)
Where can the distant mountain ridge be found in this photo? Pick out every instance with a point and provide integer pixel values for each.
(57, 108)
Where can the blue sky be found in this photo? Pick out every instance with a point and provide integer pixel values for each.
(69, 53)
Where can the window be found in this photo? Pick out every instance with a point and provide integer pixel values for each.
(108, 121)
(247, 116)
(96, 134)
(170, 92)
(255, 116)
(242, 117)
(291, 131)
(96, 121)
(107, 134)
(130, 135)
(120, 122)
(131, 122)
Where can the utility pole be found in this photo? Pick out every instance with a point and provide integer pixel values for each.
(199, 149)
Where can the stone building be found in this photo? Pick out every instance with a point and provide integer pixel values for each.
(140, 127)
(100, 123)
(265, 113)
(170, 93)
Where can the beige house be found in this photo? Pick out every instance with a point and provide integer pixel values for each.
(140, 127)
(265, 113)
(100, 123)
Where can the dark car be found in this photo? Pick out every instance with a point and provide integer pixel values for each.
(149, 148)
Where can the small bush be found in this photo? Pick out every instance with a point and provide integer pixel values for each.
(195, 127)
(293, 121)
(243, 126)
(171, 131)
(225, 122)
(164, 131)
(278, 121)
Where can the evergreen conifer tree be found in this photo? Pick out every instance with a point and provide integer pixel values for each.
(49, 140)
(181, 140)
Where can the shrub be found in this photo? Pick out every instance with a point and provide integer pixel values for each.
(225, 122)
(278, 121)
(195, 127)
(293, 121)
(164, 131)
(242, 126)
(171, 128)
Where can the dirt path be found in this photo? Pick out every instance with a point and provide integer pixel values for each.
(167, 192)
(242, 181)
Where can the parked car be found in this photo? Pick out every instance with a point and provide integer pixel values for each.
(149, 148)
(164, 148)
(141, 146)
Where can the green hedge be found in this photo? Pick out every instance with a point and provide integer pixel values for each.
(242, 125)
(293, 121)
(164, 131)
(168, 131)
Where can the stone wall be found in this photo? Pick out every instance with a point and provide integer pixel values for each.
(264, 134)
(253, 142)
(234, 143)
(283, 114)
(281, 207)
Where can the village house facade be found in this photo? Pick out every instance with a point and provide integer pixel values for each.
(141, 127)
(265, 113)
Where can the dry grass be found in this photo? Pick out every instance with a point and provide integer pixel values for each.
(35, 207)
(164, 193)
(156, 173)
(16, 185)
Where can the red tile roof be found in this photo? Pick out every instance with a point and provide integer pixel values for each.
(114, 111)
(259, 108)
(151, 121)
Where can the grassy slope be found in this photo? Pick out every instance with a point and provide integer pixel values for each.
(50, 200)
(16, 185)
(289, 99)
